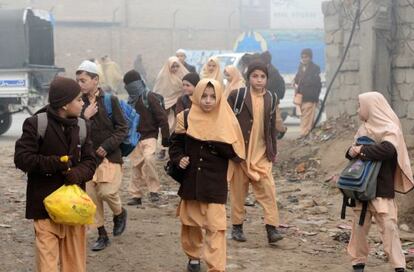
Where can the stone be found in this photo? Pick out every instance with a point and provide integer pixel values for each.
(404, 227)
(332, 23)
(333, 52)
(399, 75)
(406, 91)
(410, 113)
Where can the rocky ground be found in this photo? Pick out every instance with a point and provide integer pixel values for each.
(309, 206)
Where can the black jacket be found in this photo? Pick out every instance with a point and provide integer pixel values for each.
(205, 178)
(309, 82)
(39, 158)
(108, 132)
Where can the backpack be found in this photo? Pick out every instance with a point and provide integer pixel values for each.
(159, 97)
(241, 96)
(42, 126)
(358, 181)
(132, 118)
(170, 168)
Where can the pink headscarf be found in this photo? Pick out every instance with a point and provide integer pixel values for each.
(382, 124)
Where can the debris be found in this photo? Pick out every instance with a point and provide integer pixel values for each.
(344, 227)
(404, 227)
(300, 168)
(5, 226)
(342, 237)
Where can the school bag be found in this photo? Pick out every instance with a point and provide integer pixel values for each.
(132, 118)
(159, 97)
(241, 96)
(358, 181)
(174, 171)
(42, 126)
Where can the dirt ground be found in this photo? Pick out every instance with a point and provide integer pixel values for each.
(309, 206)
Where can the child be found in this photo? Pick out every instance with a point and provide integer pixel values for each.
(190, 81)
(257, 121)
(203, 147)
(212, 70)
(234, 78)
(152, 118)
(380, 123)
(108, 132)
(39, 156)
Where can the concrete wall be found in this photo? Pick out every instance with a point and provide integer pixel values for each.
(123, 29)
(381, 56)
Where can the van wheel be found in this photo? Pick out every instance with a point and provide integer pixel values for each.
(5, 122)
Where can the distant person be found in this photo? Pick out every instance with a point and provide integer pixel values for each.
(190, 81)
(381, 124)
(307, 83)
(181, 54)
(212, 69)
(234, 78)
(108, 132)
(140, 68)
(152, 119)
(169, 84)
(205, 139)
(275, 84)
(58, 247)
(112, 73)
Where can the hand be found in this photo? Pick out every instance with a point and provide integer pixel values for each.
(101, 152)
(165, 142)
(91, 110)
(184, 162)
(354, 151)
(71, 177)
(65, 162)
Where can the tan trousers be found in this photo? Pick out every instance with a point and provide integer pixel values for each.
(308, 116)
(196, 216)
(385, 216)
(280, 126)
(264, 191)
(143, 169)
(59, 245)
(105, 187)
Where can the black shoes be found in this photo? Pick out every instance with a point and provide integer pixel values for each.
(101, 243)
(237, 233)
(399, 269)
(135, 201)
(193, 266)
(273, 235)
(154, 197)
(360, 267)
(120, 223)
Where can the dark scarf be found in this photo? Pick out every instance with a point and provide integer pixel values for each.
(70, 131)
(135, 89)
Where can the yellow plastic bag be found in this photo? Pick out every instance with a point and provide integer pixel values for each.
(70, 205)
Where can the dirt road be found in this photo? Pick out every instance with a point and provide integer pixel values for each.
(309, 212)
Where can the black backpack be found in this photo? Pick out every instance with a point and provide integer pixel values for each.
(159, 97)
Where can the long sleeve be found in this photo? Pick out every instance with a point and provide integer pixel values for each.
(120, 127)
(378, 152)
(177, 147)
(160, 115)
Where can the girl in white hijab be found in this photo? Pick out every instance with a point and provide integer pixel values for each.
(380, 123)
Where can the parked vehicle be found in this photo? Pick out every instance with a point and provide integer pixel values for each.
(26, 61)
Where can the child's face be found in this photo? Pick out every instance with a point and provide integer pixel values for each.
(227, 75)
(87, 83)
(305, 59)
(181, 57)
(74, 108)
(211, 66)
(258, 79)
(174, 68)
(188, 88)
(208, 99)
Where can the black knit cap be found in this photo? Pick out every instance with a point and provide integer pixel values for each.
(131, 76)
(62, 91)
(256, 65)
(193, 78)
(308, 52)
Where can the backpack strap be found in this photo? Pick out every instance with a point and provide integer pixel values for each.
(239, 103)
(363, 213)
(274, 102)
(82, 130)
(344, 204)
(108, 104)
(41, 124)
(186, 112)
